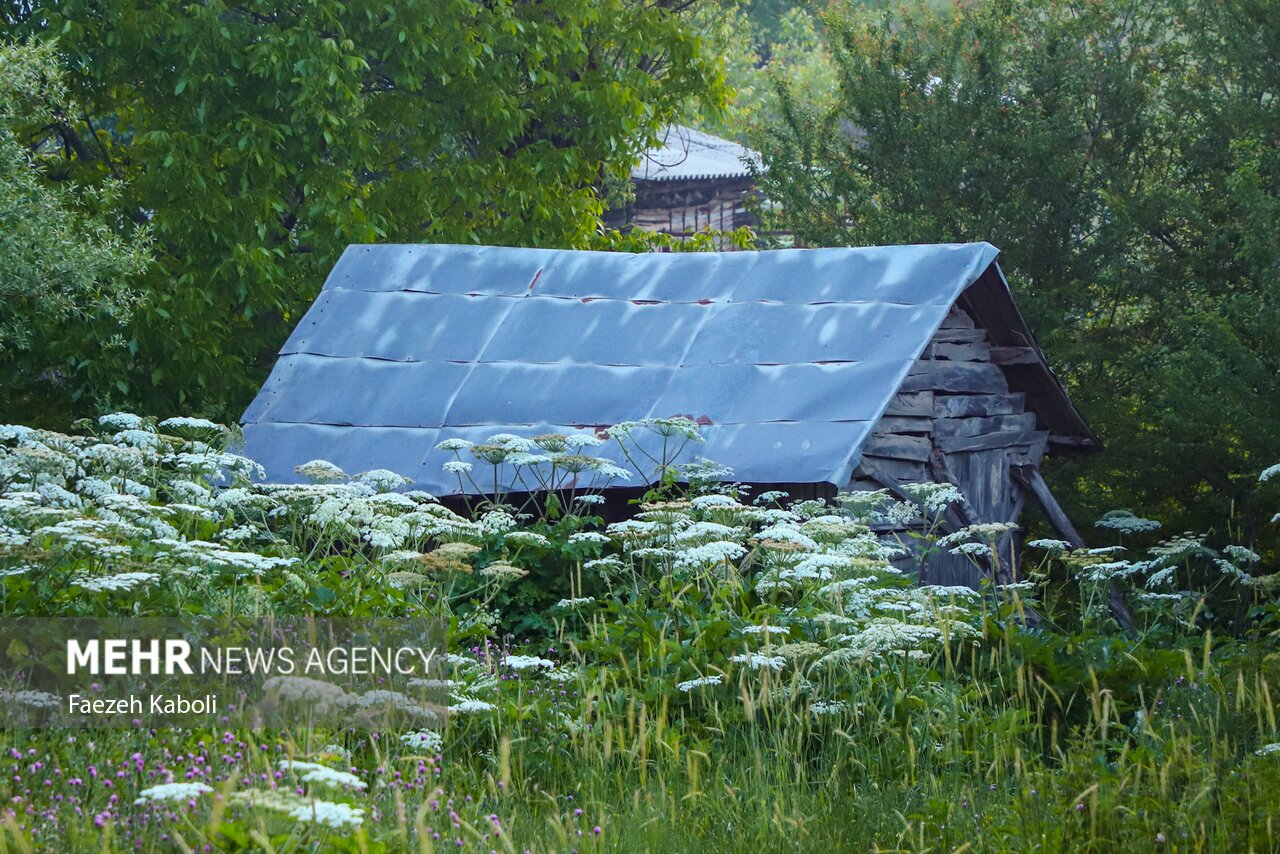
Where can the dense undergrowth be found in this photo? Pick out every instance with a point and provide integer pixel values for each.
(723, 671)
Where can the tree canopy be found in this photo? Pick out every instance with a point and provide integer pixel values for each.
(64, 264)
(758, 50)
(256, 141)
(1123, 156)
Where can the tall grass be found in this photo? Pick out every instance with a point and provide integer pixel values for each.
(695, 699)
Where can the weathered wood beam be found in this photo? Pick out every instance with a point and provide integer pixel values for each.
(961, 513)
(942, 474)
(973, 351)
(898, 447)
(957, 319)
(960, 335)
(916, 403)
(957, 427)
(892, 424)
(970, 405)
(1072, 441)
(969, 377)
(1005, 546)
(861, 483)
(1015, 356)
(992, 441)
(877, 468)
(1028, 477)
(1003, 573)
(1034, 453)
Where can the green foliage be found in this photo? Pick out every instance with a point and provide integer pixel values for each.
(258, 142)
(1123, 158)
(721, 675)
(760, 49)
(64, 265)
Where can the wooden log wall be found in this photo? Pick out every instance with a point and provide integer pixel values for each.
(685, 208)
(955, 420)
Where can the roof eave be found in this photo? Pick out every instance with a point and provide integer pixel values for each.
(991, 302)
(675, 178)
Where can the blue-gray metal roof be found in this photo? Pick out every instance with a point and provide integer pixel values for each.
(788, 356)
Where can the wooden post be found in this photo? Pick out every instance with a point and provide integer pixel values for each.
(1030, 479)
(1001, 574)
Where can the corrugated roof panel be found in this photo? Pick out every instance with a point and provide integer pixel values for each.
(909, 275)
(284, 446)
(746, 394)
(791, 355)
(900, 274)
(791, 452)
(783, 334)
(501, 394)
(666, 276)
(399, 326)
(433, 473)
(310, 389)
(437, 268)
(600, 332)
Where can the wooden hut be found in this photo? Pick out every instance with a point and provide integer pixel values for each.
(813, 369)
(691, 182)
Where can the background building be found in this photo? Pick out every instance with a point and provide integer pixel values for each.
(691, 182)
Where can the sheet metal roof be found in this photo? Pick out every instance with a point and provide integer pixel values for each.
(686, 154)
(790, 355)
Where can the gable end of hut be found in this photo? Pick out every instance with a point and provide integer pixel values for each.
(979, 409)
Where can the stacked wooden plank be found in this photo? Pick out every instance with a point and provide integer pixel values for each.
(955, 420)
(956, 400)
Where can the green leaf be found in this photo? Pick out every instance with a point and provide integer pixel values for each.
(451, 114)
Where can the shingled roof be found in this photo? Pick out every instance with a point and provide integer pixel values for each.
(789, 357)
(686, 154)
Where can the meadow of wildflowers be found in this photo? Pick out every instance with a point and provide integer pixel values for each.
(720, 671)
